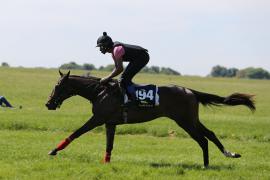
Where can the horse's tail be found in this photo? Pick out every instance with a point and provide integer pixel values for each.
(231, 100)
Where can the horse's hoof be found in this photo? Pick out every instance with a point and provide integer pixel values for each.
(205, 167)
(53, 152)
(237, 155)
(106, 161)
(231, 155)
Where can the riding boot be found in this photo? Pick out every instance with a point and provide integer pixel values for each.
(131, 102)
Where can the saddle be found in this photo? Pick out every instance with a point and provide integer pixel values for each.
(144, 95)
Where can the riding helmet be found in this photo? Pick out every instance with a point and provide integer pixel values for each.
(105, 41)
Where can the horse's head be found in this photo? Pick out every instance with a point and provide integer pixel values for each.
(61, 91)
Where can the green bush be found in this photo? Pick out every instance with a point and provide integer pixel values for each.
(250, 72)
(5, 64)
(74, 65)
(220, 71)
(71, 65)
(253, 73)
(158, 70)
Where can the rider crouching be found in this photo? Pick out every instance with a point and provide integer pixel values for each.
(137, 57)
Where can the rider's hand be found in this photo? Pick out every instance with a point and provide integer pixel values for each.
(104, 80)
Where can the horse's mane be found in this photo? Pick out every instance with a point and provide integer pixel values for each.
(86, 77)
(94, 79)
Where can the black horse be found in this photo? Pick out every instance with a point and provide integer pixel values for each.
(177, 103)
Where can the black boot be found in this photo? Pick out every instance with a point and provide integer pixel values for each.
(132, 100)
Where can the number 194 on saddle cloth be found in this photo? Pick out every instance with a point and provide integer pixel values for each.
(146, 95)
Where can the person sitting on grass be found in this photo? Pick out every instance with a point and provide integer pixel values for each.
(4, 102)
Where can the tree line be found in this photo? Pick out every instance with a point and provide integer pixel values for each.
(249, 73)
(110, 67)
(217, 71)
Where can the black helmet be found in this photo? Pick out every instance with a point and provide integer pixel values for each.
(105, 41)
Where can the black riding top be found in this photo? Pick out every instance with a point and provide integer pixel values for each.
(132, 52)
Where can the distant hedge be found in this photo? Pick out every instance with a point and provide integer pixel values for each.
(4, 64)
(253, 73)
(73, 65)
(250, 72)
(110, 67)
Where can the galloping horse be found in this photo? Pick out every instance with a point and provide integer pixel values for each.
(177, 103)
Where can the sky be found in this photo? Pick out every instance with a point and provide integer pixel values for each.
(190, 36)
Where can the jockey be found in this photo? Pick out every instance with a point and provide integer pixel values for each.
(137, 57)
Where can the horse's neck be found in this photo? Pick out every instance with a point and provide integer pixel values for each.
(86, 88)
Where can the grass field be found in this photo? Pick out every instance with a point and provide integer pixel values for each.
(142, 151)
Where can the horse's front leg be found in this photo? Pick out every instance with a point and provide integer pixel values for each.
(110, 132)
(89, 125)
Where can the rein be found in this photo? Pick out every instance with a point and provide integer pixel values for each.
(93, 88)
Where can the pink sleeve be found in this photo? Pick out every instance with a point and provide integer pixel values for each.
(118, 52)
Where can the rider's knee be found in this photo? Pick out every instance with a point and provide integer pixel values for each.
(124, 83)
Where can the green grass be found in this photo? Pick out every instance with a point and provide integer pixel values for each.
(141, 150)
(135, 157)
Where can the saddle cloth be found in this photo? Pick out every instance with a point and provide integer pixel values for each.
(146, 95)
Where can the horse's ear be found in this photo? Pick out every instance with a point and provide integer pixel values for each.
(66, 76)
(61, 74)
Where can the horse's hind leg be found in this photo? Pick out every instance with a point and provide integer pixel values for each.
(202, 141)
(198, 137)
(212, 137)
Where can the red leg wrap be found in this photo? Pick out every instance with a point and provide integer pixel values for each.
(107, 157)
(63, 144)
